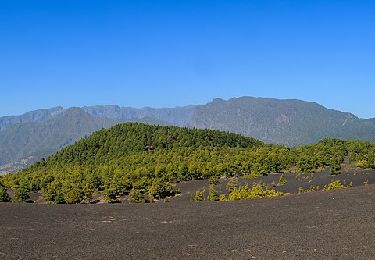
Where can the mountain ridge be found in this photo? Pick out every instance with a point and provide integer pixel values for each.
(290, 122)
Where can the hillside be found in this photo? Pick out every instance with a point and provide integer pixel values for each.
(37, 134)
(41, 115)
(144, 162)
(290, 122)
(34, 140)
(124, 139)
(179, 116)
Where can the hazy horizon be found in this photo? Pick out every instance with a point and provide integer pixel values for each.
(183, 105)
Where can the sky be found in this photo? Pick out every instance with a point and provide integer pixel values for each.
(166, 53)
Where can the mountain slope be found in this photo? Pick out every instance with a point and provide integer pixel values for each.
(290, 122)
(33, 140)
(180, 116)
(30, 117)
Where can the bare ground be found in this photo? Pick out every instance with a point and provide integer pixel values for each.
(319, 225)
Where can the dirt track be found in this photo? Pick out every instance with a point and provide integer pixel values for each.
(333, 225)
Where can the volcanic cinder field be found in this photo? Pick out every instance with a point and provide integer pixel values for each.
(336, 224)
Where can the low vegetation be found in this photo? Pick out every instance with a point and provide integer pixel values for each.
(282, 180)
(309, 189)
(199, 196)
(143, 163)
(257, 191)
(335, 185)
(4, 196)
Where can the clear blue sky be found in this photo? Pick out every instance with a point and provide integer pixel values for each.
(168, 53)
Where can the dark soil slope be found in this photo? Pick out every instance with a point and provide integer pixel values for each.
(317, 225)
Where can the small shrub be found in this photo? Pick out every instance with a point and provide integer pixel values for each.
(335, 170)
(335, 166)
(222, 197)
(21, 194)
(73, 193)
(309, 189)
(214, 180)
(74, 196)
(282, 180)
(362, 164)
(334, 185)
(199, 196)
(136, 196)
(160, 190)
(53, 193)
(212, 194)
(4, 196)
(232, 184)
(257, 191)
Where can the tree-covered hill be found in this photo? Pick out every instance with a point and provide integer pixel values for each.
(145, 161)
(127, 138)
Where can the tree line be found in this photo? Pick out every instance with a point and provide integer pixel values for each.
(145, 162)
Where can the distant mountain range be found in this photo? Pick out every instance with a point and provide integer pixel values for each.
(33, 135)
